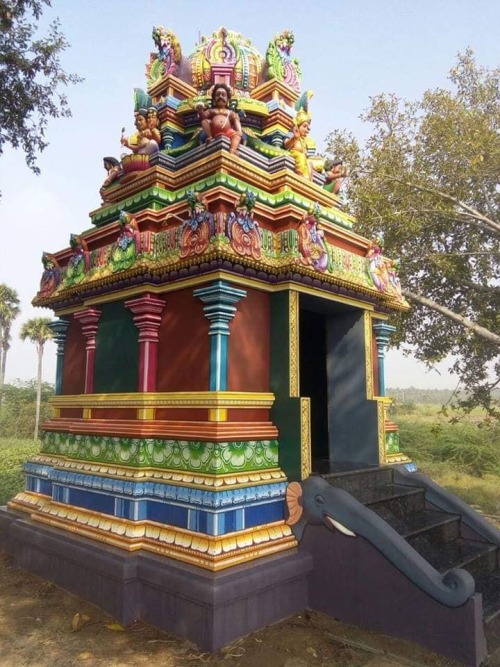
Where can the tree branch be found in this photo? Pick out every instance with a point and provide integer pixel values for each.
(468, 210)
(450, 314)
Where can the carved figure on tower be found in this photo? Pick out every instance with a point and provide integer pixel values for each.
(243, 230)
(312, 245)
(126, 247)
(79, 262)
(335, 173)
(220, 120)
(196, 232)
(141, 143)
(51, 275)
(280, 64)
(114, 171)
(168, 57)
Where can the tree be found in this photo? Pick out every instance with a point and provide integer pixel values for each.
(9, 310)
(31, 77)
(428, 177)
(37, 331)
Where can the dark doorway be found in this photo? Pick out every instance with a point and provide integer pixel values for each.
(313, 377)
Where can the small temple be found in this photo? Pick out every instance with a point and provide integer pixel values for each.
(221, 334)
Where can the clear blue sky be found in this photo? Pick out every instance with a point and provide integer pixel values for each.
(348, 51)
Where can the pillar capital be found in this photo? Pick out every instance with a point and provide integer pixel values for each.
(220, 299)
(60, 330)
(147, 311)
(89, 319)
(383, 333)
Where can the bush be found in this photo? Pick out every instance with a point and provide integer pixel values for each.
(13, 454)
(17, 412)
(464, 446)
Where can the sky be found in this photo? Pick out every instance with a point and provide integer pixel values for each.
(348, 52)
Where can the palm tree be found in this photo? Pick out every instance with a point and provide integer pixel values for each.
(9, 310)
(38, 332)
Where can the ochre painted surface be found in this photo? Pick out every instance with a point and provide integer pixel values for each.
(184, 350)
(73, 377)
(249, 344)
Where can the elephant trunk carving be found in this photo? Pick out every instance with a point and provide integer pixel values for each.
(317, 502)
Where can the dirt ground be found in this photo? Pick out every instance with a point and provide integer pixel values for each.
(41, 625)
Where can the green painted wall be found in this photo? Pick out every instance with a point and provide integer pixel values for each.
(117, 351)
(286, 410)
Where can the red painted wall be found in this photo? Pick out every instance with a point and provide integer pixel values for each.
(184, 350)
(73, 376)
(249, 344)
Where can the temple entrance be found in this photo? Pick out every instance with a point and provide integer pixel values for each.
(333, 376)
(313, 378)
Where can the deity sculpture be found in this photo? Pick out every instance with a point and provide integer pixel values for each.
(297, 145)
(242, 229)
(154, 124)
(335, 173)
(143, 142)
(114, 171)
(168, 57)
(376, 265)
(196, 232)
(126, 247)
(280, 64)
(50, 276)
(79, 262)
(220, 120)
(312, 245)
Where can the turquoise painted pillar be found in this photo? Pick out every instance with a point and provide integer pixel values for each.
(383, 333)
(60, 330)
(220, 298)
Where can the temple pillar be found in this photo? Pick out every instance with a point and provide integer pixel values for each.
(60, 330)
(147, 311)
(383, 333)
(220, 298)
(89, 319)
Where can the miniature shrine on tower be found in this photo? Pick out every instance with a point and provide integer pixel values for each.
(221, 332)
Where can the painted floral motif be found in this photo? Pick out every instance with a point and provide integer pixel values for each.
(392, 442)
(196, 456)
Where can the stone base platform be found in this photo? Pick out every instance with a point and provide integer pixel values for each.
(210, 609)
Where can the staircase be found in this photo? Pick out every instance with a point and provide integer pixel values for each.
(446, 539)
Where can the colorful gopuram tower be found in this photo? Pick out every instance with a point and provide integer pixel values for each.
(221, 332)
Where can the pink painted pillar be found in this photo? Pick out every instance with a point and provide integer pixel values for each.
(89, 319)
(147, 318)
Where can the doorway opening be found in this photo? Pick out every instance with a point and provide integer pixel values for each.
(313, 378)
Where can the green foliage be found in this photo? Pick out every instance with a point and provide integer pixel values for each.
(462, 447)
(9, 310)
(428, 177)
(14, 453)
(18, 411)
(31, 77)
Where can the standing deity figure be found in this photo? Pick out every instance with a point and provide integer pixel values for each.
(143, 142)
(220, 120)
(297, 144)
